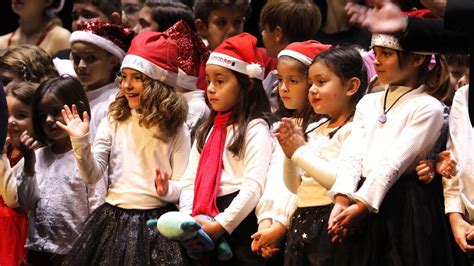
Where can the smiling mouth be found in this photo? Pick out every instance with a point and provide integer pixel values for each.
(314, 100)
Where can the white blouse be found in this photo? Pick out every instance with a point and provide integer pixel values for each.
(459, 189)
(130, 154)
(198, 111)
(383, 152)
(246, 174)
(311, 172)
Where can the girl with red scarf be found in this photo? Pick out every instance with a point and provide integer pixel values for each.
(229, 159)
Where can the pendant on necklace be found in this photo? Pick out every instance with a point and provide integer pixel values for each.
(383, 118)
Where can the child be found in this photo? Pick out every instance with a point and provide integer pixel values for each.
(274, 212)
(217, 20)
(98, 49)
(160, 15)
(106, 11)
(37, 26)
(143, 134)
(49, 185)
(26, 63)
(339, 80)
(281, 26)
(191, 82)
(130, 11)
(458, 199)
(230, 156)
(391, 131)
(13, 222)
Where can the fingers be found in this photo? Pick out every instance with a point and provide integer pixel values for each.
(86, 117)
(74, 111)
(256, 235)
(445, 154)
(161, 183)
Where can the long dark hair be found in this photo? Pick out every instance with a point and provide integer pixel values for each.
(66, 90)
(253, 103)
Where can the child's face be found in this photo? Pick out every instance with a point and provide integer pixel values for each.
(458, 76)
(93, 65)
(145, 22)
(293, 85)
(223, 88)
(19, 120)
(132, 87)
(9, 79)
(327, 93)
(49, 109)
(271, 42)
(222, 23)
(26, 8)
(130, 11)
(388, 68)
(86, 11)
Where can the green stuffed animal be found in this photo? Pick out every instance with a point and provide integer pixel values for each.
(183, 228)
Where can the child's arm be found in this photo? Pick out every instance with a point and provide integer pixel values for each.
(256, 159)
(181, 147)
(187, 181)
(445, 165)
(92, 165)
(8, 186)
(28, 190)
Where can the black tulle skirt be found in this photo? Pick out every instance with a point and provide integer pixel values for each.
(410, 229)
(308, 242)
(116, 236)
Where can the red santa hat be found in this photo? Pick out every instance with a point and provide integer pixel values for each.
(155, 55)
(305, 51)
(192, 56)
(112, 38)
(239, 53)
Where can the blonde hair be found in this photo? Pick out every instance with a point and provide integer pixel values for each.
(160, 104)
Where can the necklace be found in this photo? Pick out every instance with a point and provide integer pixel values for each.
(383, 117)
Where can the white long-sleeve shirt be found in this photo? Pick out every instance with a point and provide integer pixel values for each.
(383, 152)
(246, 174)
(99, 101)
(198, 111)
(311, 172)
(277, 202)
(130, 154)
(58, 201)
(459, 190)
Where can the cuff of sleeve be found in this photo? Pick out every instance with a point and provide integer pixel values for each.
(265, 215)
(281, 219)
(453, 204)
(299, 153)
(174, 190)
(371, 195)
(225, 222)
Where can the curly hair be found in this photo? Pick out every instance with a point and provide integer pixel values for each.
(160, 104)
(29, 63)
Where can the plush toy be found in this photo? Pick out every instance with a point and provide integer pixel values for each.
(183, 228)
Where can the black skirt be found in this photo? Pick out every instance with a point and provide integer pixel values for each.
(308, 241)
(410, 229)
(116, 236)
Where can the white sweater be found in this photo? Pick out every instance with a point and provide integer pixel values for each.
(99, 101)
(7, 183)
(383, 152)
(246, 174)
(198, 111)
(131, 154)
(459, 190)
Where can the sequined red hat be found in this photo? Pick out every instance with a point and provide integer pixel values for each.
(239, 53)
(110, 37)
(192, 56)
(304, 52)
(155, 55)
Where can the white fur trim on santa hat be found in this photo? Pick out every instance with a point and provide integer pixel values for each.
(150, 69)
(296, 55)
(89, 37)
(234, 64)
(186, 81)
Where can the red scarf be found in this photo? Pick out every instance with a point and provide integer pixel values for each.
(208, 176)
